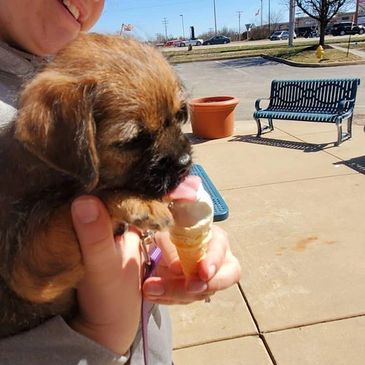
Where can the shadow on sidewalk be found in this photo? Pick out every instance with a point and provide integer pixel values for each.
(195, 140)
(305, 147)
(246, 62)
(356, 163)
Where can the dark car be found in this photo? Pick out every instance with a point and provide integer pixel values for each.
(347, 28)
(217, 39)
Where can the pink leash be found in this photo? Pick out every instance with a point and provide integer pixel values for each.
(152, 255)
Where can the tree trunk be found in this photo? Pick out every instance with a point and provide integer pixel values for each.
(322, 33)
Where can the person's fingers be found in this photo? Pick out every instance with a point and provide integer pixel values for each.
(174, 290)
(170, 257)
(228, 274)
(215, 255)
(93, 228)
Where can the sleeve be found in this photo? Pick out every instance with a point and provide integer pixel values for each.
(54, 342)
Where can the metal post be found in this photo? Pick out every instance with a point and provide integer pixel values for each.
(239, 24)
(261, 13)
(215, 18)
(182, 23)
(291, 22)
(165, 23)
(269, 17)
(356, 12)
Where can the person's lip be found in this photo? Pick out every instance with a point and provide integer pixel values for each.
(80, 5)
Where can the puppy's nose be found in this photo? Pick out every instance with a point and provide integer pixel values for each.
(184, 160)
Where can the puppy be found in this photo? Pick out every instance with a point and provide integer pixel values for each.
(103, 118)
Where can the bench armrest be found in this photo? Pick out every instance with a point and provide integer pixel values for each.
(257, 103)
(343, 103)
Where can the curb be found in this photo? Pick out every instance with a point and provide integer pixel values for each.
(299, 64)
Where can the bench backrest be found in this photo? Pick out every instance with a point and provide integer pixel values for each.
(321, 95)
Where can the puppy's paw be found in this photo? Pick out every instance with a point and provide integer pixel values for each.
(154, 215)
(144, 214)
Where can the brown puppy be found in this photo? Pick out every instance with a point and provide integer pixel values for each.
(103, 118)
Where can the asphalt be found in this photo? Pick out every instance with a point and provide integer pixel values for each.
(297, 208)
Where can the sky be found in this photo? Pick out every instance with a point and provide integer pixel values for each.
(147, 16)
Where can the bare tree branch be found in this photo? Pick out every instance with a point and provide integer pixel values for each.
(323, 11)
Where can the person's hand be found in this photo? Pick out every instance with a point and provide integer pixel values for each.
(109, 295)
(218, 270)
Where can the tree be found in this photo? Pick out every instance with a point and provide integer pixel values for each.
(323, 11)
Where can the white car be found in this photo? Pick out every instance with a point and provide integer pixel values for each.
(187, 42)
(280, 35)
(196, 42)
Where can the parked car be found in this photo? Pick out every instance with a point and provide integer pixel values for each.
(171, 43)
(181, 43)
(311, 33)
(196, 42)
(347, 28)
(280, 35)
(187, 42)
(217, 39)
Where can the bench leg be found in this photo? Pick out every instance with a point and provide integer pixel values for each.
(349, 127)
(265, 129)
(259, 129)
(341, 137)
(339, 133)
(271, 126)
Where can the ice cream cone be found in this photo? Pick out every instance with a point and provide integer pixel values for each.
(191, 231)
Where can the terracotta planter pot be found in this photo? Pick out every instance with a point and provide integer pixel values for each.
(213, 116)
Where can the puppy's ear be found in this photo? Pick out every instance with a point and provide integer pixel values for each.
(55, 122)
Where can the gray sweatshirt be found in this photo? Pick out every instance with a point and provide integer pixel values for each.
(54, 342)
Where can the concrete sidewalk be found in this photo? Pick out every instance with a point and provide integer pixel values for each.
(297, 209)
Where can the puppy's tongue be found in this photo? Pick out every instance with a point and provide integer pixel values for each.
(187, 189)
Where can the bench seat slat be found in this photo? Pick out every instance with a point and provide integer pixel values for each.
(292, 115)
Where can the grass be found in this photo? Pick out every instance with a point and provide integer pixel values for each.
(355, 45)
(299, 53)
(305, 55)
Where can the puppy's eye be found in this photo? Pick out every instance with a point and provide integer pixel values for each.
(182, 115)
(142, 141)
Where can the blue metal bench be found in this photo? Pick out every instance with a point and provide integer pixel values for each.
(220, 206)
(324, 101)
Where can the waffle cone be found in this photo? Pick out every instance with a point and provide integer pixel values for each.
(191, 244)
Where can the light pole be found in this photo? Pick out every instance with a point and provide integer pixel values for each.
(215, 18)
(356, 12)
(165, 22)
(269, 16)
(239, 24)
(261, 13)
(291, 22)
(182, 24)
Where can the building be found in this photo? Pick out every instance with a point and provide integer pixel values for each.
(305, 26)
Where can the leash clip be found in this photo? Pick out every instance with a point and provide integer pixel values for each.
(147, 238)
